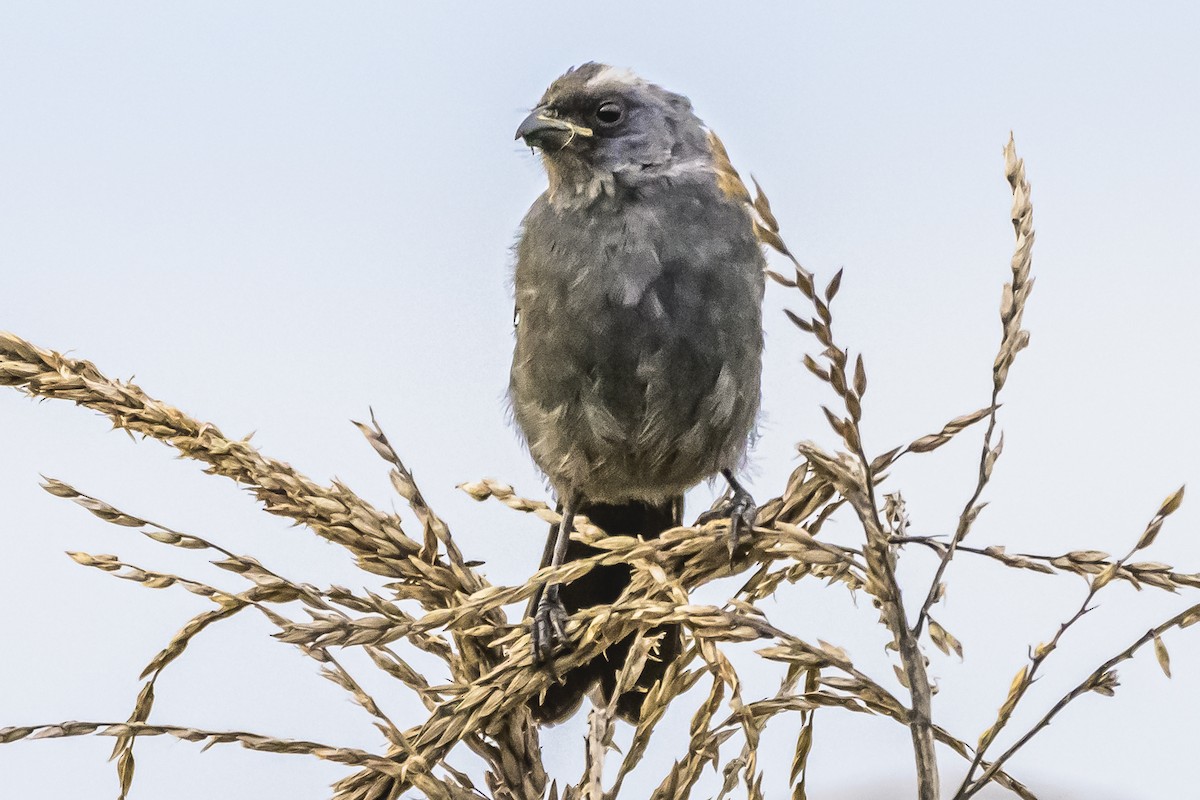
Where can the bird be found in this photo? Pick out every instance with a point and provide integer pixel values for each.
(636, 370)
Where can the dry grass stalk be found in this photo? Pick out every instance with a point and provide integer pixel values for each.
(1102, 680)
(1028, 673)
(1012, 341)
(853, 475)
(463, 622)
(250, 741)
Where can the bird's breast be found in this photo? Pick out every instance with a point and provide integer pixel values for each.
(640, 335)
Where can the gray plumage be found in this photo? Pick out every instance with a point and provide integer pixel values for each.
(639, 282)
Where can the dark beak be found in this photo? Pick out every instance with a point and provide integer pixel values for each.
(540, 129)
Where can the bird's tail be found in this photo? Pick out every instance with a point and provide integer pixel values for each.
(602, 585)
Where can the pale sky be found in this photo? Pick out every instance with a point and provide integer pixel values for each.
(276, 215)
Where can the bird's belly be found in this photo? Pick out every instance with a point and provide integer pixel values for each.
(636, 370)
(636, 417)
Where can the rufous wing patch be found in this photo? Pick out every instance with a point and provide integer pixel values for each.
(728, 180)
(766, 227)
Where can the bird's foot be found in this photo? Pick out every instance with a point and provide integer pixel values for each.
(740, 510)
(549, 627)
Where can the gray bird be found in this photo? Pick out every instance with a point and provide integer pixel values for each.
(639, 283)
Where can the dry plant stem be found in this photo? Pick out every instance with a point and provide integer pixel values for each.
(1028, 674)
(251, 741)
(406, 486)
(713, 622)
(518, 745)
(684, 774)
(874, 697)
(884, 585)
(799, 773)
(880, 551)
(599, 738)
(1101, 678)
(334, 513)
(498, 693)
(602, 722)
(964, 520)
(881, 566)
(696, 556)
(376, 540)
(269, 587)
(1013, 340)
(279, 592)
(754, 724)
(855, 481)
(1077, 562)
(228, 606)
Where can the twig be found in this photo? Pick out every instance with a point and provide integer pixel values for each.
(854, 480)
(1076, 562)
(1026, 676)
(1014, 339)
(1102, 680)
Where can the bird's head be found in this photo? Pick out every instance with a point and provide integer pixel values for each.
(598, 124)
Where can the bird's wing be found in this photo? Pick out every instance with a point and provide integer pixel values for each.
(766, 227)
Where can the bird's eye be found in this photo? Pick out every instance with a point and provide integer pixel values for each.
(609, 113)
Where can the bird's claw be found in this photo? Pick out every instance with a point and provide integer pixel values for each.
(740, 510)
(549, 628)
